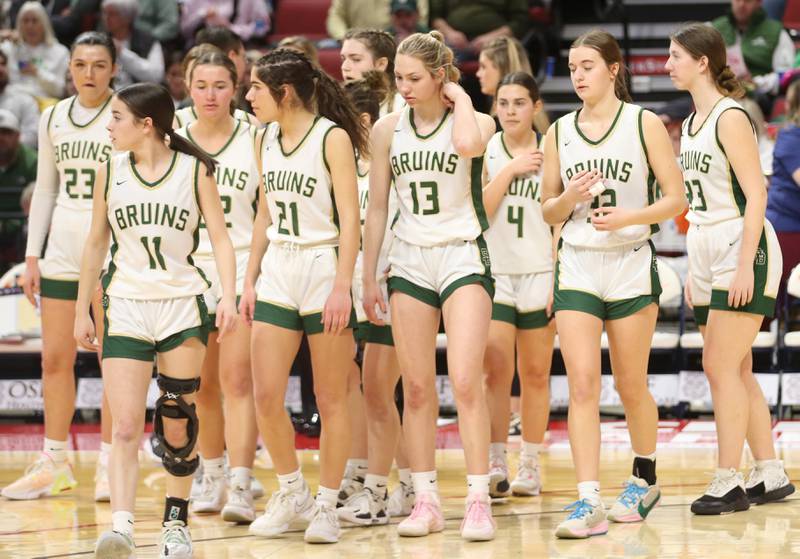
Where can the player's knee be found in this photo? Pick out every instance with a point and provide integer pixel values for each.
(126, 430)
(467, 389)
(379, 405)
(584, 390)
(238, 384)
(330, 400)
(418, 395)
(535, 376)
(175, 424)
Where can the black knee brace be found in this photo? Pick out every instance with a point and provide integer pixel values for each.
(175, 459)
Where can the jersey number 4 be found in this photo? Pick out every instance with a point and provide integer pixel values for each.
(432, 197)
(154, 255)
(516, 219)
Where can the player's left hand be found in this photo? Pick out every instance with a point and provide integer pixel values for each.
(610, 218)
(226, 316)
(740, 291)
(336, 314)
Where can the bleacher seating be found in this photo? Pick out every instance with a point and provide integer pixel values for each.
(300, 17)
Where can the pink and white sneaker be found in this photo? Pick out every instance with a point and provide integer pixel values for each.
(478, 524)
(425, 518)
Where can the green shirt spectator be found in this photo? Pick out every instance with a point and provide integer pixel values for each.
(17, 170)
(474, 23)
(766, 47)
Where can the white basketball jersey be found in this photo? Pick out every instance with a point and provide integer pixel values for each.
(237, 183)
(439, 192)
(79, 148)
(621, 156)
(713, 191)
(363, 203)
(188, 115)
(299, 189)
(155, 231)
(519, 240)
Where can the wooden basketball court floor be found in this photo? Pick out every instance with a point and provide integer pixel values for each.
(67, 526)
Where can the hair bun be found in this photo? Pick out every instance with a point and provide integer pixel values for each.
(436, 35)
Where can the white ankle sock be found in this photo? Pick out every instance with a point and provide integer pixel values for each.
(122, 522)
(214, 467)
(240, 477)
(650, 457)
(358, 467)
(105, 453)
(425, 482)
(56, 450)
(291, 482)
(404, 476)
(327, 496)
(477, 484)
(497, 450)
(589, 490)
(376, 483)
(530, 451)
(771, 463)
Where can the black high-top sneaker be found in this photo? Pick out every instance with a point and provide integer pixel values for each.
(724, 495)
(768, 483)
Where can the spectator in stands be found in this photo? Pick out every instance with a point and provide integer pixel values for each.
(72, 17)
(20, 104)
(783, 195)
(17, 170)
(37, 62)
(139, 56)
(174, 79)
(405, 19)
(764, 46)
(365, 14)
(302, 45)
(470, 25)
(160, 18)
(17, 162)
(249, 19)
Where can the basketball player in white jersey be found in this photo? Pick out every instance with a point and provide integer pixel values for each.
(72, 142)
(372, 505)
(304, 247)
(734, 266)
(371, 49)
(439, 264)
(150, 199)
(600, 171)
(521, 246)
(225, 399)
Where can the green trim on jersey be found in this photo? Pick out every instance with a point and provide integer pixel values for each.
(652, 185)
(108, 179)
(157, 182)
(476, 189)
(95, 117)
(196, 232)
(505, 147)
(380, 335)
(112, 266)
(227, 143)
(556, 132)
(58, 289)
(50, 117)
(325, 152)
(608, 132)
(690, 120)
(317, 118)
(435, 130)
(737, 194)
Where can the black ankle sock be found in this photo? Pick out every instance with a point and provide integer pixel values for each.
(176, 509)
(645, 469)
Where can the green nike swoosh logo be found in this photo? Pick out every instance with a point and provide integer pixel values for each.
(645, 510)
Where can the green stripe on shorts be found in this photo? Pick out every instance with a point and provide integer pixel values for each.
(532, 320)
(312, 323)
(487, 282)
(58, 289)
(276, 315)
(380, 335)
(504, 313)
(361, 331)
(402, 285)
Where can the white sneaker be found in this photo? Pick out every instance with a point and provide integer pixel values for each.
(768, 483)
(102, 490)
(351, 484)
(324, 526)
(401, 500)
(114, 545)
(285, 510)
(635, 502)
(176, 542)
(212, 497)
(239, 507)
(42, 478)
(478, 524)
(586, 519)
(197, 482)
(498, 478)
(366, 508)
(256, 488)
(528, 482)
(425, 518)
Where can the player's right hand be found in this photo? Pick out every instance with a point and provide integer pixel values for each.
(247, 304)
(85, 333)
(578, 186)
(31, 279)
(372, 297)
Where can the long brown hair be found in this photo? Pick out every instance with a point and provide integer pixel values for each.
(380, 44)
(608, 48)
(153, 100)
(317, 91)
(699, 40)
(367, 93)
